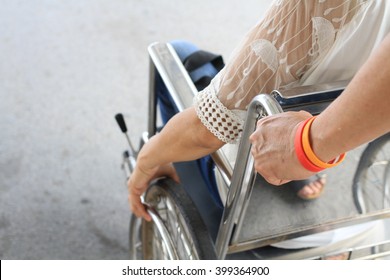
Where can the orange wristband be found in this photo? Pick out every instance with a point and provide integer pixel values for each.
(300, 153)
(310, 153)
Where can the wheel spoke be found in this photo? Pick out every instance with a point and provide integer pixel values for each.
(177, 227)
(373, 181)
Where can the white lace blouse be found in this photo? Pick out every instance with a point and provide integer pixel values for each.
(297, 42)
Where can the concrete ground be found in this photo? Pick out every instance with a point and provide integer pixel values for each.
(67, 67)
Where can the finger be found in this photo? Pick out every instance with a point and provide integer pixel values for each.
(141, 212)
(275, 181)
(305, 113)
(256, 153)
(138, 208)
(272, 181)
(253, 138)
(144, 213)
(262, 120)
(175, 177)
(282, 182)
(170, 171)
(146, 216)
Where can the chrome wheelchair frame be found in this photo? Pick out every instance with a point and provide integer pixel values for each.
(241, 179)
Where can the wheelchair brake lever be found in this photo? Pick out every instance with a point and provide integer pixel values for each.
(129, 156)
(122, 125)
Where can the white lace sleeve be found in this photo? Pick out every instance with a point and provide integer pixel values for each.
(291, 39)
(218, 119)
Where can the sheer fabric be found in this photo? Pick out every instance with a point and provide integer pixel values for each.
(280, 52)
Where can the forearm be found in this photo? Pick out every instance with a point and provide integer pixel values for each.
(360, 114)
(183, 138)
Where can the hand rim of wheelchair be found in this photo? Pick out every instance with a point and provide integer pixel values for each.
(171, 234)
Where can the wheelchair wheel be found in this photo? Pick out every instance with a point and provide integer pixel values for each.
(177, 230)
(135, 242)
(371, 183)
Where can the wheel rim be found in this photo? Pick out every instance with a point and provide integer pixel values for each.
(155, 247)
(135, 241)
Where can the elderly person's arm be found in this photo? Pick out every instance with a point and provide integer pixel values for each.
(183, 138)
(360, 114)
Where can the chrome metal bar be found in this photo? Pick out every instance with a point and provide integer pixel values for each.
(370, 252)
(133, 151)
(163, 231)
(386, 186)
(223, 165)
(324, 90)
(243, 175)
(128, 163)
(313, 98)
(173, 73)
(152, 105)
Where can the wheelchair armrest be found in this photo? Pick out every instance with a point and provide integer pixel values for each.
(313, 98)
(173, 73)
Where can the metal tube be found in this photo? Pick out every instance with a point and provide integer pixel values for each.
(386, 186)
(243, 175)
(164, 233)
(152, 106)
(174, 75)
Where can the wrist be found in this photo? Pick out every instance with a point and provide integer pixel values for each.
(322, 139)
(305, 153)
(146, 163)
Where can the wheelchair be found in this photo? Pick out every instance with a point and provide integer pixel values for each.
(257, 216)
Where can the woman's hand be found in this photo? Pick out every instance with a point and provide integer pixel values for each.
(273, 148)
(183, 138)
(139, 182)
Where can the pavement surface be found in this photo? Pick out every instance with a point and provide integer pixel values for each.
(67, 67)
